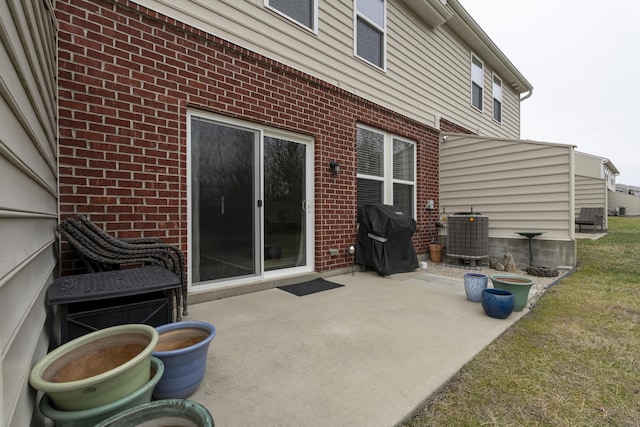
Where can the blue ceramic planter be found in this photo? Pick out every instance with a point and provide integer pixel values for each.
(497, 303)
(474, 284)
(183, 348)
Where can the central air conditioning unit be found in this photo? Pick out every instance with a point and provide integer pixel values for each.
(467, 236)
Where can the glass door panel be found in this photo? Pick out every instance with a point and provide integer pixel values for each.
(285, 222)
(224, 182)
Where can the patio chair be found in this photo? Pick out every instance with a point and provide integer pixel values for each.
(102, 252)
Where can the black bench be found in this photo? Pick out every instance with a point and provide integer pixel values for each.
(89, 302)
(591, 216)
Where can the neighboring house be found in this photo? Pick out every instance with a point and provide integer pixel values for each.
(625, 201)
(28, 198)
(628, 189)
(595, 180)
(214, 125)
(593, 166)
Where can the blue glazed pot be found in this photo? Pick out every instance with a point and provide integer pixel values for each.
(183, 348)
(474, 284)
(497, 303)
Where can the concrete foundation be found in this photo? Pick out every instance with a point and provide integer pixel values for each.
(546, 253)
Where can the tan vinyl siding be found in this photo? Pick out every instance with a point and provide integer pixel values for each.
(428, 70)
(590, 193)
(519, 185)
(630, 202)
(588, 165)
(28, 197)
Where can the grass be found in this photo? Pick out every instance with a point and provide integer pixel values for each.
(574, 360)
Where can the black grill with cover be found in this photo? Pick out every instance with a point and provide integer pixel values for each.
(384, 240)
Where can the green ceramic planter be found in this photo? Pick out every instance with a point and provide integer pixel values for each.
(98, 368)
(172, 412)
(519, 286)
(90, 417)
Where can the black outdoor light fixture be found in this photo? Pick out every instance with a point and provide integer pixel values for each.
(335, 167)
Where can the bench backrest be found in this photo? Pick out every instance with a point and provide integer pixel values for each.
(589, 214)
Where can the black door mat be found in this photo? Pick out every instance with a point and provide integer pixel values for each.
(310, 287)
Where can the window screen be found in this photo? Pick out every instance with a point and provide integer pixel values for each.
(301, 11)
(477, 82)
(370, 30)
(497, 99)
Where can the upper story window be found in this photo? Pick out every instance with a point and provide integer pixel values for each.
(477, 82)
(386, 170)
(497, 99)
(303, 12)
(371, 31)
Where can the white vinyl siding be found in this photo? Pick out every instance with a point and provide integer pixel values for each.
(303, 12)
(427, 70)
(28, 199)
(497, 99)
(386, 170)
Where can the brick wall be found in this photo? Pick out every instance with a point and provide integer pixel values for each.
(127, 77)
(447, 126)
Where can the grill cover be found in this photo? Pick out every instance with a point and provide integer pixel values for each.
(384, 240)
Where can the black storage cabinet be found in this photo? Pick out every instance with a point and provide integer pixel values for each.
(384, 240)
(89, 302)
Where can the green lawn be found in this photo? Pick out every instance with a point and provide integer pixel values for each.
(572, 361)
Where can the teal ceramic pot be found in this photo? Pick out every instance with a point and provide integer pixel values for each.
(90, 417)
(497, 303)
(173, 412)
(98, 368)
(183, 348)
(474, 284)
(519, 286)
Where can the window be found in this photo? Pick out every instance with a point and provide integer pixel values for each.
(477, 82)
(303, 12)
(497, 99)
(370, 31)
(386, 170)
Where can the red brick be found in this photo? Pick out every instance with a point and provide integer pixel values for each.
(127, 94)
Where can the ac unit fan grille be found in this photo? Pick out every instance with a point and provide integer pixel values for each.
(467, 236)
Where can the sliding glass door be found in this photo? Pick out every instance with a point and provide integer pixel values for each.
(250, 202)
(223, 197)
(285, 201)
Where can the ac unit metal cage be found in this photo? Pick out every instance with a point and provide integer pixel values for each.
(467, 237)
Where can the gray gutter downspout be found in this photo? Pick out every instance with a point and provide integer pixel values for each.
(527, 95)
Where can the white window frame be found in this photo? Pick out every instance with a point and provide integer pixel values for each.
(497, 96)
(267, 4)
(387, 179)
(358, 15)
(477, 78)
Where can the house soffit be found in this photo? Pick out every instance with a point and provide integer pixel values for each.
(438, 12)
(433, 12)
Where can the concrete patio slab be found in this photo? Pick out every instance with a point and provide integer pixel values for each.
(366, 354)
